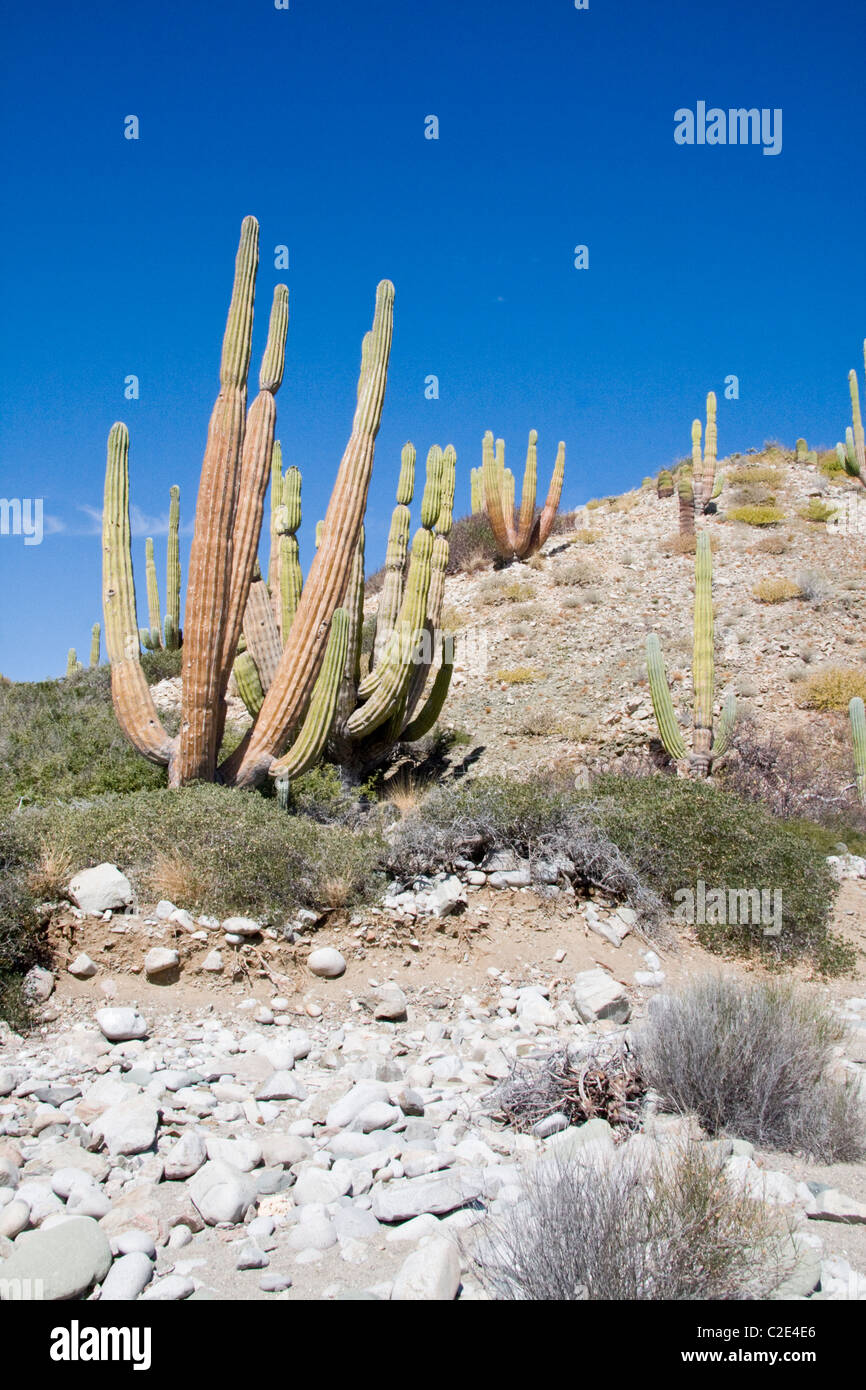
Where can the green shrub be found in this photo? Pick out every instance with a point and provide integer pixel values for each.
(833, 688)
(675, 832)
(22, 944)
(816, 510)
(471, 545)
(214, 849)
(761, 515)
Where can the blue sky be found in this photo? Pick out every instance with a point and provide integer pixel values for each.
(555, 129)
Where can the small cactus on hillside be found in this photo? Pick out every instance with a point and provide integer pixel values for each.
(706, 750)
(802, 450)
(855, 448)
(72, 662)
(686, 493)
(95, 634)
(857, 715)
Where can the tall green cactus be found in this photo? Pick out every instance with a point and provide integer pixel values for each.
(477, 491)
(857, 716)
(665, 485)
(95, 633)
(802, 450)
(291, 578)
(72, 662)
(855, 453)
(522, 535)
(686, 494)
(172, 573)
(706, 750)
(153, 610)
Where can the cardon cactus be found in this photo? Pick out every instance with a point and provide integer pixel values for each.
(518, 535)
(477, 491)
(154, 642)
(686, 493)
(172, 630)
(858, 732)
(802, 450)
(704, 463)
(855, 452)
(72, 662)
(706, 750)
(94, 644)
(221, 582)
(665, 485)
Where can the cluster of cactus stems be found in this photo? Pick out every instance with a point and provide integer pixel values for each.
(518, 534)
(665, 485)
(223, 586)
(72, 662)
(706, 749)
(356, 718)
(852, 455)
(857, 715)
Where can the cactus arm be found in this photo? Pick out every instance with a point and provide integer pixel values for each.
(859, 444)
(172, 573)
(307, 747)
(248, 683)
(527, 496)
(276, 504)
(133, 702)
(476, 491)
(395, 556)
(153, 608)
(697, 468)
(253, 476)
(422, 722)
(72, 662)
(399, 662)
(493, 484)
(94, 644)
(210, 562)
(261, 633)
(663, 706)
(544, 525)
(710, 449)
(702, 659)
(330, 570)
(727, 722)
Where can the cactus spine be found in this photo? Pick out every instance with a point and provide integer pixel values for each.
(229, 512)
(706, 750)
(518, 536)
(857, 716)
(95, 634)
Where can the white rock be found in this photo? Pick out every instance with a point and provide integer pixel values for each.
(327, 963)
(242, 1154)
(170, 1289)
(318, 1186)
(14, 1218)
(213, 962)
(221, 1193)
(431, 1273)
(38, 984)
(832, 1205)
(282, 1085)
(185, 1157)
(83, 968)
(128, 1277)
(362, 1094)
(128, 1128)
(121, 1024)
(160, 959)
(241, 926)
(102, 889)
(598, 995)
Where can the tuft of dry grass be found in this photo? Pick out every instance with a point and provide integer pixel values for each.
(577, 575)
(756, 474)
(586, 536)
(51, 872)
(833, 688)
(518, 675)
(771, 545)
(775, 590)
(175, 877)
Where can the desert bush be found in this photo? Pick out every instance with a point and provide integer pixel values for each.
(829, 464)
(758, 515)
(518, 675)
(674, 1228)
(833, 688)
(795, 777)
(746, 475)
(586, 536)
(576, 575)
(814, 586)
(471, 545)
(601, 1081)
(60, 739)
(22, 943)
(753, 1058)
(775, 590)
(755, 495)
(816, 510)
(676, 544)
(236, 852)
(771, 545)
(674, 832)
